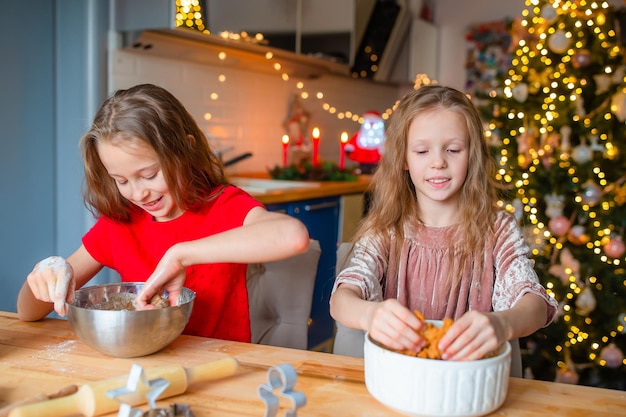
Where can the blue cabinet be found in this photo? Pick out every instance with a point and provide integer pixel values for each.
(321, 217)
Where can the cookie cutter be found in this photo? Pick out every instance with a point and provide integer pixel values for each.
(175, 410)
(130, 394)
(281, 377)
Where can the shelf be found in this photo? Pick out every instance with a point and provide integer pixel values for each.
(191, 45)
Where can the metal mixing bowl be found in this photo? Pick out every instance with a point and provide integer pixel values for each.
(125, 333)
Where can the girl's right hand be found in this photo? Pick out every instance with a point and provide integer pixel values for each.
(52, 281)
(395, 326)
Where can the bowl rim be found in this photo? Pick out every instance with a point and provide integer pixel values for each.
(504, 350)
(84, 289)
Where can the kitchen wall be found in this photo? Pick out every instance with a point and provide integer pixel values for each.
(251, 106)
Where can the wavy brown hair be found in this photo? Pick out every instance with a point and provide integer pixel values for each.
(152, 115)
(394, 200)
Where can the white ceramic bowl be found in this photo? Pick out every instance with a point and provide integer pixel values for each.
(436, 388)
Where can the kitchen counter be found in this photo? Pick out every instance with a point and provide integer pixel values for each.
(45, 356)
(325, 189)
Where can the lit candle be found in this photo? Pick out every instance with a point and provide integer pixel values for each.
(285, 141)
(342, 151)
(316, 145)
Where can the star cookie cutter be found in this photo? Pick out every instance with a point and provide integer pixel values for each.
(284, 377)
(131, 394)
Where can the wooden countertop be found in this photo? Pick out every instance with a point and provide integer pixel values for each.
(45, 356)
(325, 189)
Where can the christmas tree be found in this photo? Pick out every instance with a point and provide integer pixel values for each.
(556, 124)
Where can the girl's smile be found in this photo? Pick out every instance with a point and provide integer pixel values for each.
(138, 176)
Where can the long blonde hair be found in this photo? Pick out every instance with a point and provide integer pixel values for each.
(394, 201)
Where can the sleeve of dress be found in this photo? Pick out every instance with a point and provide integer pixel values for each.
(365, 268)
(515, 273)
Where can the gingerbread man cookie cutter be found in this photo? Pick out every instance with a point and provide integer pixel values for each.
(282, 378)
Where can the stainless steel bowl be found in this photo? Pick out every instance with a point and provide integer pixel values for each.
(126, 333)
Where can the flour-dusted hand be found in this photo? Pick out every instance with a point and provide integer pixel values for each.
(52, 280)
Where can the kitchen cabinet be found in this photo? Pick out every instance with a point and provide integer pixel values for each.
(321, 217)
(424, 44)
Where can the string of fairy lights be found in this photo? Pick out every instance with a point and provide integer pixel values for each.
(558, 88)
(189, 15)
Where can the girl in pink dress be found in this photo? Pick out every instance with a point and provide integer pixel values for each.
(435, 241)
(166, 215)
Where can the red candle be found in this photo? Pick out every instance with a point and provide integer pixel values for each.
(342, 150)
(316, 145)
(285, 141)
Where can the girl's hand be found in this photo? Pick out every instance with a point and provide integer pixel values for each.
(169, 275)
(473, 336)
(395, 326)
(52, 281)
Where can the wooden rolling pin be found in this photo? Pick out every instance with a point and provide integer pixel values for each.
(92, 400)
(70, 389)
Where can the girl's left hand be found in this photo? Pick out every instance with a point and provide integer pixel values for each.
(169, 275)
(472, 336)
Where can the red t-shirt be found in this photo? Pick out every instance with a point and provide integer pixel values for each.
(133, 249)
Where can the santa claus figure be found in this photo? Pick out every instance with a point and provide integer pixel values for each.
(367, 144)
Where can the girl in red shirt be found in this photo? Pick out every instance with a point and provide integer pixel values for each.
(166, 215)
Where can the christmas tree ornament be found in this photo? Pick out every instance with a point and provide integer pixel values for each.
(595, 146)
(618, 105)
(520, 92)
(603, 83)
(559, 226)
(612, 356)
(580, 106)
(566, 134)
(567, 376)
(570, 263)
(591, 193)
(615, 247)
(548, 12)
(582, 153)
(534, 238)
(528, 373)
(577, 235)
(518, 208)
(581, 59)
(568, 266)
(525, 142)
(586, 302)
(554, 205)
(559, 42)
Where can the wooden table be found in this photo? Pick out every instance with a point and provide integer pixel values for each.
(45, 356)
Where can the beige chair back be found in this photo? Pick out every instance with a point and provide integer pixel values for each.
(280, 295)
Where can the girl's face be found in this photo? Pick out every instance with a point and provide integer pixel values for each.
(437, 160)
(138, 176)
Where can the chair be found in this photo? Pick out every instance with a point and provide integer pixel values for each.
(349, 342)
(280, 296)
